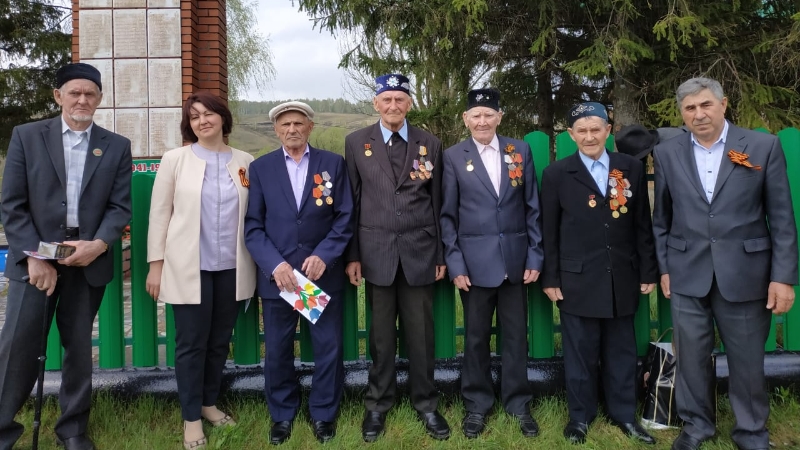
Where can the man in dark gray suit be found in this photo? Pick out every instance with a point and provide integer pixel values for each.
(66, 179)
(396, 175)
(492, 233)
(726, 243)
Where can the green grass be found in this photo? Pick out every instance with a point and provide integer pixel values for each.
(155, 423)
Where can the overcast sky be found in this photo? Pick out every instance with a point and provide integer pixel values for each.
(305, 59)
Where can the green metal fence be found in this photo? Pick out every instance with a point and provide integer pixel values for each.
(146, 338)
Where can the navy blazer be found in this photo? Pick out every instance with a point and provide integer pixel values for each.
(487, 236)
(275, 231)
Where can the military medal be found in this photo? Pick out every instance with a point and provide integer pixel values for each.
(470, 167)
(368, 149)
(623, 209)
(514, 183)
(319, 202)
(592, 202)
(618, 193)
(514, 161)
(329, 200)
(615, 214)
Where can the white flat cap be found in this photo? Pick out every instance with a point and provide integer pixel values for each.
(291, 106)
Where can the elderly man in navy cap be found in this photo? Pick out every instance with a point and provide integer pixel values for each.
(396, 174)
(66, 179)
(491, 228)
(599, 258)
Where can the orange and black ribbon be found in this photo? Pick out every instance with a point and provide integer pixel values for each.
(741, 159)
(243, 177)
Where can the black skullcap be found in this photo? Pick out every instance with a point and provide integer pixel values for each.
(489, 98)
(76, 71)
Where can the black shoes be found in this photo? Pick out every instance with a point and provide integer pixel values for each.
(373, 425)
(685, 442)
(575, 432)
(636, 431)
(280, 432)
(79, 442)
(324, 431)
(473, 425)
(435, 425)
(527, 425)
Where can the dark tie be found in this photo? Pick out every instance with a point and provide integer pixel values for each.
(397, 154)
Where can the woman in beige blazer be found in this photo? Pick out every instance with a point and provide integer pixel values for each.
(198, 260)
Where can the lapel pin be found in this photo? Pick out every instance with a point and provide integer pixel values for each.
(97, 152)
(592, 201)
(368, 149)
(470, 167)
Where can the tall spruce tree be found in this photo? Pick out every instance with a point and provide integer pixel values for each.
(34, 43)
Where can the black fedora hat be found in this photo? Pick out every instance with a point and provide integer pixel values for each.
(636, 140)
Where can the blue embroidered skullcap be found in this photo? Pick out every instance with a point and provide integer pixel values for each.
(78, 71)
(587, 109)
(489, 98)
(392, 82)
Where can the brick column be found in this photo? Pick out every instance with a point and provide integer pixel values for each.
(152, 54)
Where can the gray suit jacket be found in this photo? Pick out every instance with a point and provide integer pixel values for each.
(396, 220)
(34, 204)
(487, 236)
(730, 237)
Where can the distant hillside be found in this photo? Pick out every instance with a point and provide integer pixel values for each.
(254, 133)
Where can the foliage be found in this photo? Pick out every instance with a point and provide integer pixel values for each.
(547, 55)
(34, 43)
(249, 58)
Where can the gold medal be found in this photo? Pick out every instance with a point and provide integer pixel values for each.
(614, 203)
(623, 209)
(329, 200)
(319, 202)
(368, 152)
(592, 203)
(514, 183)
(615, 214)
(413, 175)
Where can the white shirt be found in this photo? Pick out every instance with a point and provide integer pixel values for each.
(490, 155)
(76, 146)
(708, 161)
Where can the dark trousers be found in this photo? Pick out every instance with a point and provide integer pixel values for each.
(202, 338)
(415, 307)
(743, 328)
(510, 302)
(588, 341)
(281, 387)
(74, 303)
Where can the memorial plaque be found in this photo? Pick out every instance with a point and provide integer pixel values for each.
(106, 68)
(130, 3)
(165, 130)
(130, 83)
(84, 4)
(163, 3)
(130, 33)
(94, 39)
(132, 123)
(164, 33)
(104, 118)
(164, 76)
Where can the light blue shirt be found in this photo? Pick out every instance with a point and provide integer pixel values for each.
(708, 161)
(76, 147)
(219, 211)
(298, 171)
(598, 169)
(387, 133)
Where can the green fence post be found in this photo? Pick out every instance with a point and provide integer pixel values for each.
(540, 308)
(664, 315)
(246, 344)
(110, 322)
(642, 325)
(143, 308)
(790, 141)
(350, 323)
(306, 349)
(55, 352)
(444, 319)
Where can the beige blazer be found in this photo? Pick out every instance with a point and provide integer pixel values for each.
(174, 234)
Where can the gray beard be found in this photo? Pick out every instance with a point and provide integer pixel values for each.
(80, 118)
